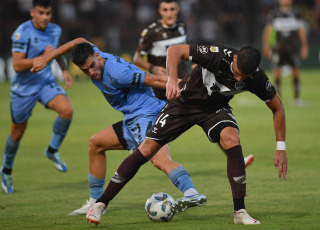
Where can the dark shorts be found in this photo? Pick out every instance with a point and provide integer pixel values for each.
(175, 119)
(281, 58)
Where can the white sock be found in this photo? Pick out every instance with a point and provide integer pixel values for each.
(92, 201)
(190, 192)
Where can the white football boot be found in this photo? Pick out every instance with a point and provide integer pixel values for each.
(183, 203)
(242, 217)
(95, 213)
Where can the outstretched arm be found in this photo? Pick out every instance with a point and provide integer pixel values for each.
(266, 42)
(41, 62)
(280, 156)
(174, 55)
(304, 43)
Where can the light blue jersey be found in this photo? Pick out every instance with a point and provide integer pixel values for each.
(31, 41)
(122, 84)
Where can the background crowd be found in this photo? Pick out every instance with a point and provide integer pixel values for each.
(116, 25)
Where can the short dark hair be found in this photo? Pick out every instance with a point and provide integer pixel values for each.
(167, 1)
(43, 3)
(81, 52)
(248, 59)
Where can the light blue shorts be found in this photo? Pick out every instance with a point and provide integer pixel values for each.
(131, 133)
(22, 106)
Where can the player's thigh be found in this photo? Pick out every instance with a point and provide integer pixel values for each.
(21, 107)
(214, 122)
(106, 139)
(53, 97)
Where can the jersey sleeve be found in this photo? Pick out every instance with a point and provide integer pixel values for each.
(145, 42)
(20, 40)
(126, 75)
(262, 86)
(206, 56)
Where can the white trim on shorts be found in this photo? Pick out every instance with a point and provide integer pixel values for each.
(218, 124)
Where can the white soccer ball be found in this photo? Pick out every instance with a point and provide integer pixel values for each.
(158, 207)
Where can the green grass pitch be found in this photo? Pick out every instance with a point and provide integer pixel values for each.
(43, 196)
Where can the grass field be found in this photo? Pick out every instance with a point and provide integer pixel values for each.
(44, 196)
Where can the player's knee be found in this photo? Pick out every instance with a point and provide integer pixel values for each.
(66, 112)
(229, 139)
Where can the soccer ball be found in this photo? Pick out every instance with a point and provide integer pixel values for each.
(158, 207)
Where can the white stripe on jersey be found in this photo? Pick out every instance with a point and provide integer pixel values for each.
(212, 85)
(159, 48)
(287, 24)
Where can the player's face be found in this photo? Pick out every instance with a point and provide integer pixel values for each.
(169, 13)
(41, 16)
(237, 72)
(93, 67)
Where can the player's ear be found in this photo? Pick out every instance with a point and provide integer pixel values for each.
(235, 57)
(32, 12)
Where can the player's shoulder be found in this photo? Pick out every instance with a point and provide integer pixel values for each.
(152, 28)
(22, 32)
(24, 27)
(54, 27)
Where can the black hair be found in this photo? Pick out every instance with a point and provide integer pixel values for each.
(81, 52)
(43, 3)
(248, 59)
(167, 1)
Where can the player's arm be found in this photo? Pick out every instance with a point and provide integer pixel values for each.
(66, 75)
(41, 62)
(22, 63)
(280, 156)
(304, 42)
(139, 61)
(158, 81)
(174, 55)
(265, 40)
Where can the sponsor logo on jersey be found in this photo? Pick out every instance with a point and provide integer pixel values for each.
(214, 49)
(203, 49)
(181, 30)
(136, 79)
(268, 86)
(240, 179)
(239, 85)
(164, 35)
(17, 37)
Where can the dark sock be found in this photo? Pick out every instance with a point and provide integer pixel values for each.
(6, 170)
(126, 171)
(52, 150)
(296, 88)
(238, 204)
(236, 172)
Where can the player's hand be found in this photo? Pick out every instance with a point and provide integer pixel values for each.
(39, 63)
(172, 89)
(159, 70)
(67, 78)
(281, 161)
(304, 52)
(48, 49)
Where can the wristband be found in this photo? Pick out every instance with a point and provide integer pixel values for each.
(151, 68)
(281, 145)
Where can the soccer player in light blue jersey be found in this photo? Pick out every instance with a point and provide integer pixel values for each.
(32, 39)
(125, 87)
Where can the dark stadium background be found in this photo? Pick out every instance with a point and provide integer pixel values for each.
(115, 26)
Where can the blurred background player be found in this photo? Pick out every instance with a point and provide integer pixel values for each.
(33, 38)
(282, 34)
(156, 39)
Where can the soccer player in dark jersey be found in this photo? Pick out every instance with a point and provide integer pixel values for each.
(155, 40)
(202, 98)
(33, 38)
(282, 35)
